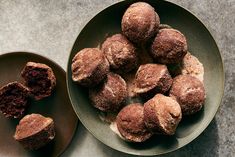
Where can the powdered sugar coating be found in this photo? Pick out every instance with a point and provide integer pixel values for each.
(189, 92)
(162, 114)
(169, 46)
(120, 52)
(110, 95)
(130, 123)
(140, 22)
(151, 79)
(89, 67)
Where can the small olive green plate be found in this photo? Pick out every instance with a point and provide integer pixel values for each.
(56, 106)
(200, 43)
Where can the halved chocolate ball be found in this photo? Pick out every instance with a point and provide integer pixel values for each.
(89, 67)
(162, 114)
(120, 52)
(39, 78)
(14, 100)
(151, 79)
(189, 93)
(169, 46)
(130, 123)
(35, 131)
(110, 95)
(140, 22)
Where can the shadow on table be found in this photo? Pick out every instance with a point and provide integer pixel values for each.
(204, 145)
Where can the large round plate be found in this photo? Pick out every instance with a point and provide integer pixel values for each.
(56, 106)
(200, 43)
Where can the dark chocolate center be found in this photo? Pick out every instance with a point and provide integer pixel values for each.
(13, 101)
(37, 80)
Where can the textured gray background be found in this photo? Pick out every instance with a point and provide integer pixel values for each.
(51, 27)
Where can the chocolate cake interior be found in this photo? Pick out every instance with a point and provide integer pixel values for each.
(37, 80)
(13, 100)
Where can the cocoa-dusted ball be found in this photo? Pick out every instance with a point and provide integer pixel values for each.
(120, 52)
(140, 22)
(190, 65)
(35, 131)
(89, 67)
(189, 93)
(110, 95)
(151, 79)
(162, 114)
(130, 123)
(169, 46)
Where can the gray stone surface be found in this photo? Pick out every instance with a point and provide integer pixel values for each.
(51, 27)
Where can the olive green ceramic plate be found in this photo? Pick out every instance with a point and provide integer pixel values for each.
(200, 43)
(56, 106)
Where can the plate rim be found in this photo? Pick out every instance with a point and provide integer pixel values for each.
(197, 133)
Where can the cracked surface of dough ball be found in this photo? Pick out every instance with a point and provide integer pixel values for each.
(89, 67)
(169, 46)
(120, 52)
(130, 123)
(151, 79)
(189, 92)
(140, 22)
(110, 95)
(192, 66)
(162, 114)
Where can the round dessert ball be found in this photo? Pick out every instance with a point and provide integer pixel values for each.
(34, 131)
(162, 114)
(190, 65)
(140, 22)
(169, 46)
(39, 78)
(89, 67)
(151, 79)
(14, 100)
(110, 95)
(189, 93)
(130, 123)
(120, 52)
